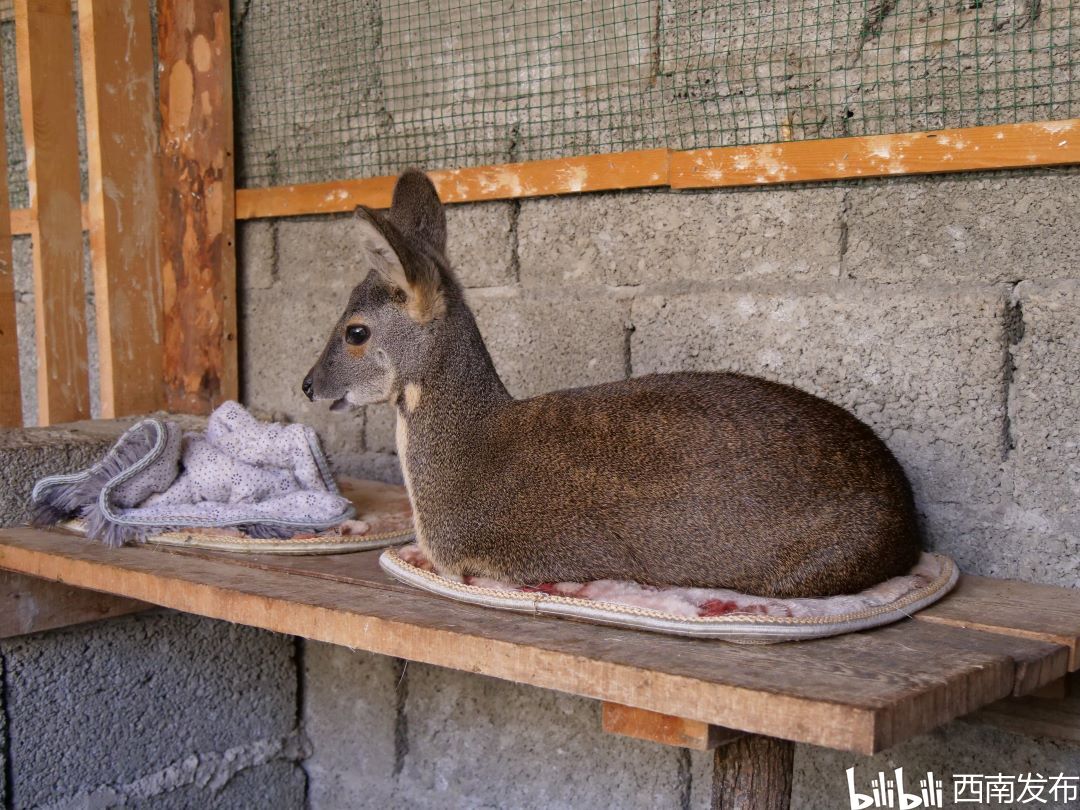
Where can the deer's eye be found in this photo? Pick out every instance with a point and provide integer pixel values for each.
(356, 333)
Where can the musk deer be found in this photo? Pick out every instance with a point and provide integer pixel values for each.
(689, 479)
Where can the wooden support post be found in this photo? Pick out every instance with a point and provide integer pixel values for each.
(46, 55)
(666, 729)
(753, 773)
(121, 147)
(11, 390)
(198, 258)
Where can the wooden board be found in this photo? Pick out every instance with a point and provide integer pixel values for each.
(1023, 609)
(46, 54)
(1047, 143)
(7, 10)
(11, 391)
(1009, 146)
(509, 181)
(860, 692)
(121, 146)
(198, 254)
(664, 728)
(21, 219)
(31, 605)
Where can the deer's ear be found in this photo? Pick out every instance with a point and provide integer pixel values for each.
(417, 212)
(414, 283)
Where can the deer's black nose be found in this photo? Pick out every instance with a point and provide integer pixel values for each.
(308, 387)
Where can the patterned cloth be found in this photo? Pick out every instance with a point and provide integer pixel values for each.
(268, 480)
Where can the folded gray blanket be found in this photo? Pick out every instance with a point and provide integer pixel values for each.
(267, 480)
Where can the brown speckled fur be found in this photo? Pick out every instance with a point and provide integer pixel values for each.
(711, 480)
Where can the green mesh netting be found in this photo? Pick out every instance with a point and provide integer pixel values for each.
(353, 88)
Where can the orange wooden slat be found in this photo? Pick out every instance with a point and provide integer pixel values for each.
(121, 145)
(535, 178)
(1009, 146)
(46, 56)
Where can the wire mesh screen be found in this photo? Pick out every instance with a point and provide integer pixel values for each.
(352, 88)
(18, 190)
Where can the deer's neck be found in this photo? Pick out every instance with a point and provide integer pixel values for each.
(442, 415)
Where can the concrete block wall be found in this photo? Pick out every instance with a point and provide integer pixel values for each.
(154, 710)
(943, 311)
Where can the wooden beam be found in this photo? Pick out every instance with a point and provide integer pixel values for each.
(7, 10)
(1009, 146)
(198, 255)
(46, 54)
(121, 146)
(22, 217)
(538, 178)
(11, 391)
(753, 773)
(666, 729)
(31, 605)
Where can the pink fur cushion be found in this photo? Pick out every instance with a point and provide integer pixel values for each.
(711, 612)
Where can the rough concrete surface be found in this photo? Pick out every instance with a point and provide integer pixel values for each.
(1044, 428)
(657, 237)
(117, 703)
(27, 455)
(958, 748)
(353, 718)
(956, 228)
(422, 736)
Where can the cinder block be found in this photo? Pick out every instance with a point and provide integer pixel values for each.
(256, 251)
(112, 702)
(657, 237)
(480, 243)
(923, 367)
(542, 344)
(3, 745)
(1045, 427)
(963, 228)
(30, 454)
(354, 723)
(284, 327)
(480, 742)
(957, 748)
(278, 785)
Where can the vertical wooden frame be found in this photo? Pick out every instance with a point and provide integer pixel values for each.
(116, 47)
(10, 388)
(197, 209)
(46, 55)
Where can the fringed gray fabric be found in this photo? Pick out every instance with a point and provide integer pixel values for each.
(266, 480)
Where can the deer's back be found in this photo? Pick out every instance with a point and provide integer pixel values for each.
(686, 479)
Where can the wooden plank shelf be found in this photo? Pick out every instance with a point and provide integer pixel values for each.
(861, 692)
